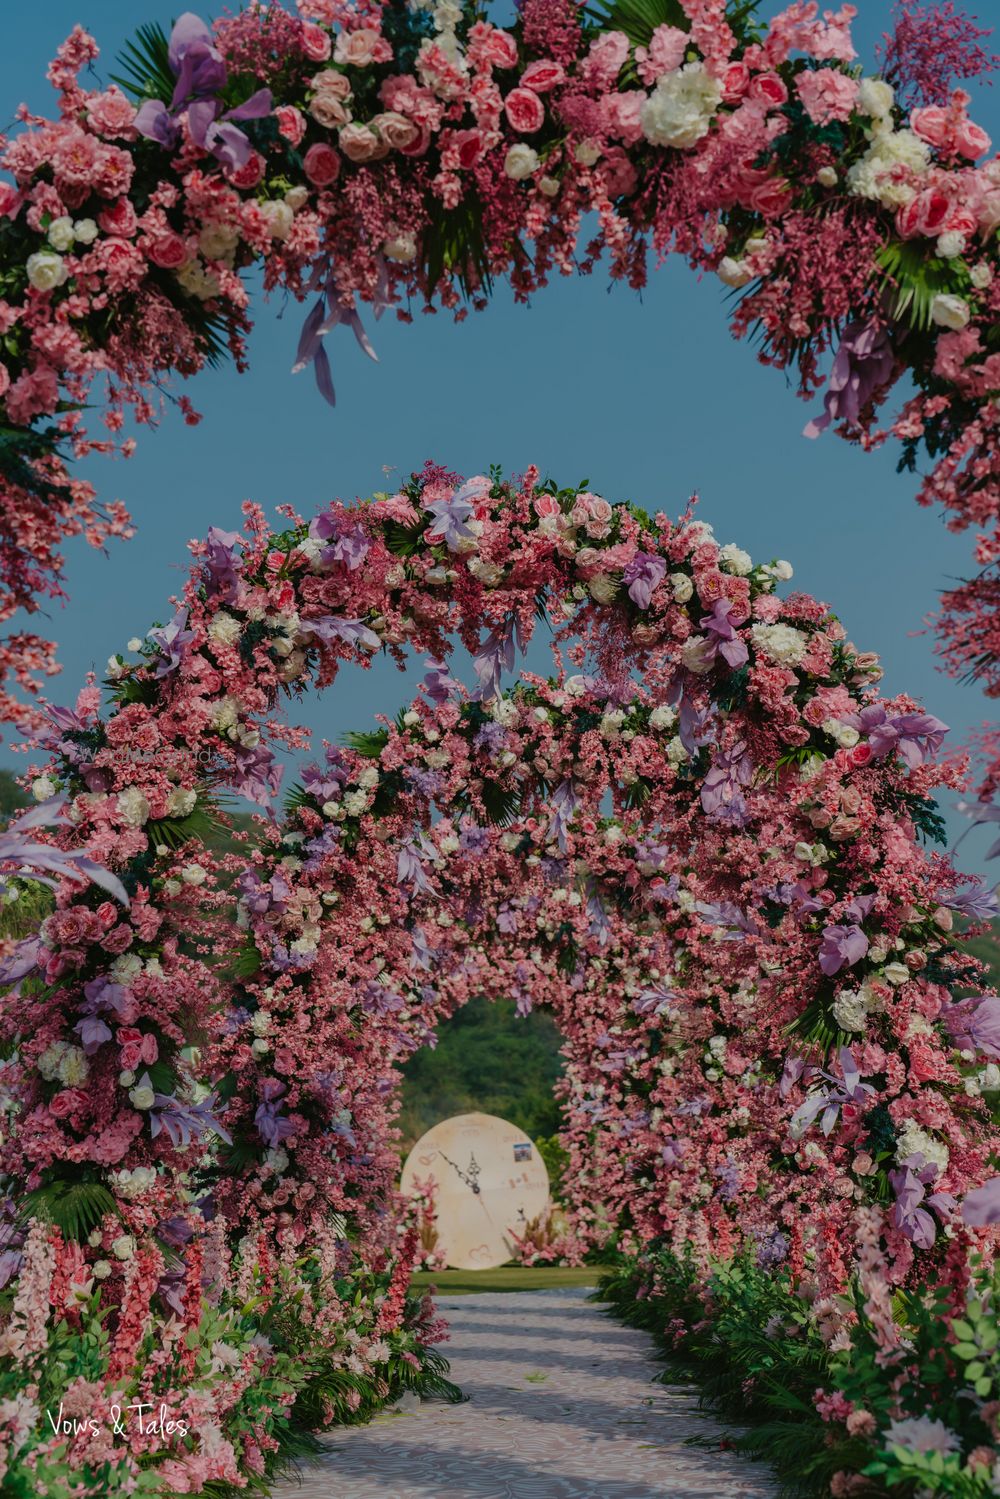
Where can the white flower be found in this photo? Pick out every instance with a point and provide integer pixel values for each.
(921, 1434)
(948, 311)
(549, 186)
(402, 248)
(277, 1160)
(696, 654)
(611, 723)
(735, 560)
(369, 778)
(602, 588)
(260, 1024)
(42, 788)
(781, 570)
(845, 736)
(181, 803)
(60, 235)
(586, 153)
(278, 218)
(226, 714)
(132, 1184)
(780, 643)
(681, 587)
(123, 1248)
(874, 176)
(827, 177)
(850, 1010)
(875, 98)
(950, 245)
(981, 275)
(676, 753)
(297, 197)
(225, 628)
(912, 1140)
(216, 241)
(200, 282)
(85, 231)
(521, 161)
(193, 874)
(46, 270)
(680, 109)
(613, 834)
(897, 973)
(734, 272)
(663, 717)
(260, 1047)
(355, 802)
(101, 1269)
(142, 1097)
(73, 1067)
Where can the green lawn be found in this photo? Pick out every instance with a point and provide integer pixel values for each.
(507, 1278)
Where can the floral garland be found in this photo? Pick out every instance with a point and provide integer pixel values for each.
(763, 1052)
(406, 154)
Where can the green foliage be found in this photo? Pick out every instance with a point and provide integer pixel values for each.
(75, 1208)
(367, 742)
(12, 798)
(490, 1060)
(637, 18)
(454, 245)
(145, 67)
(917, 278)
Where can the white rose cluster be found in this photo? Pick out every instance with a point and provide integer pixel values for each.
(912, 1140)
(680, 110)
(875, 177)
(782, 644)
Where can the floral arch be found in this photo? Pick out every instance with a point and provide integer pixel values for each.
(698, 841)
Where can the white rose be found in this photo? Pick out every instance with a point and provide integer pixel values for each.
(142, 1097)
(60, 235)
(296, 198)
(602, 588)
(948, 311)
(549, 186)
(734, 272)
(875, 98)
(897, 973)
(781, 570)
(680, 109)
(123, 1248)
(101, 1269)
(46, 270)
(193, 874)
(260, 1047)
(85, 231)
(586, 153)
(521, 161)
(827, 177)
(401, 248)
(981, 275)
(735, 560)
(950, 245)
(42, 788)
(278, 218)
(696, 654)
(681, 587)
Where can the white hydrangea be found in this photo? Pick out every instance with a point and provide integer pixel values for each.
(912, 1140)
(874, 176)
(782, 644)
(850, 1009)
(225, 628)
(133, 807)
(676, 753)
(132, 1184)
(680, 109)
(663, 717)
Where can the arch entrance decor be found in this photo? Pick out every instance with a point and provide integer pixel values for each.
(698, 841)
(372, 156)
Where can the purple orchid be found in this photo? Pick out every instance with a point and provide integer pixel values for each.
(980, 812)
(421, 956)
(409, 862)
(865, 362)
(221, 552)
(452, 516)
(722, 796)
(564, 804)
(974, 1024)
(171, 641)
(32, 858)
(439, 686)
(491, 660)
(976, 901)
(828, 1103)
(841, 947)
(272, 1127)
(643, 575)
(599, 925)
(93, 1033)
(909, 1182)
(326, 783)
(201, 74)
(720, 627)
(982, 1207)
(791, 1073)
(348, 543)
(353, 632)
(727, 917)
(915, 737)
(183, 1122)
(320, 321)
(656, 1001)
(256, 774)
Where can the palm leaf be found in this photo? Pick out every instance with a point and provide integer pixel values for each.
(637, 18)
(146, 71)
(367, 742)
(917, 278)
(75, 1208)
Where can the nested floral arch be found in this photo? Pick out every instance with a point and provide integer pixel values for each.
(698, 841)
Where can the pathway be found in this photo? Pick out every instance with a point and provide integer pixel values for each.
(561, 1407)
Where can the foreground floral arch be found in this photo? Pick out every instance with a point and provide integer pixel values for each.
(698, 842)
(375, 156)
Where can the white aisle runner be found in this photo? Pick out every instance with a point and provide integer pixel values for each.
(561, 1407)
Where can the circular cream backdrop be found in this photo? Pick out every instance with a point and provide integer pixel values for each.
(489, 1179)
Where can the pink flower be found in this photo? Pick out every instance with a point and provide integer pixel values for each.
(119, 219)
(291, 123)
(524, 110)
(664, 54)
(10, 199)
(168, 251)
(735, 81)
(927, 214)
(357, 49)
(769, 89)
(489, 47)
(4, 379)
(110, 113)
(249, 175)
(360, 144)
(32, 394)
(971, 140)
(543, 75)
(315, 42)
(118, 940)
(395, 129)
(827, 95)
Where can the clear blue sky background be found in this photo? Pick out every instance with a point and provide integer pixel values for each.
(646, 397)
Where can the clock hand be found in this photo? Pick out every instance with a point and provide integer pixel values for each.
(467, 1179)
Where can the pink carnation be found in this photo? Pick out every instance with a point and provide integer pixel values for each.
(827, 95)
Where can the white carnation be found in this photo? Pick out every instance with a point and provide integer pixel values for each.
(133, 807)
(278, 218)
(735, 560)
(181, 803)
(225, 629)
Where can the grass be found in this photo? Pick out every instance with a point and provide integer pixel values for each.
(507, 1278)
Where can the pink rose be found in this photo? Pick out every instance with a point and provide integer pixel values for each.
(119, 219)
(419, 144)
(860, 754)
(927, 214)
(10, 199)
(971, 140)
(543, 75)
(315, 42)
(769, 89)
(770, 198)
(547, 504)
(524, 110)
(357, 48)
(932, 124)
(396, 130)
(337, 85)
(328, 111)
(735, 81)
(248, 176)
(68, 1101)
(291, 123)
(168, 251)
(360, 144)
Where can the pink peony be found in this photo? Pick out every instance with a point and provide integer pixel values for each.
(168, 251)
(827, 95)
(525, 110)
(769, 89)
(111, 113)
(543, 75)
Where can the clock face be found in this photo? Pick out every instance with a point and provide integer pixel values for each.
(489, 1179)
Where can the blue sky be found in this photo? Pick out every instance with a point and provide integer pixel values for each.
(647, 397)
